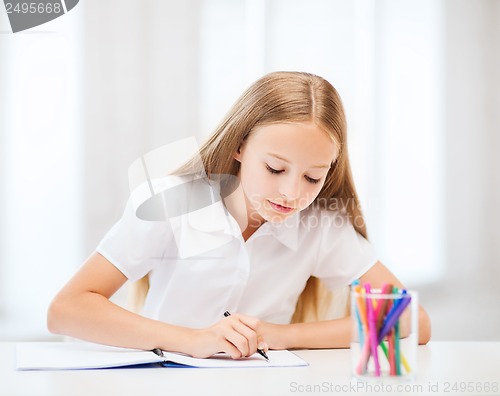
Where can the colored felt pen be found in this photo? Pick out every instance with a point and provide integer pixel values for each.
(356, 287)
(392, 317)
(260, 351)
(380, 312)
(365, 355)
(404, 362)
(372, 329)
(362, 327)
(392, 359)
(397, 348)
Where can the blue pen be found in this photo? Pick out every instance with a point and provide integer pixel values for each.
(397, 341)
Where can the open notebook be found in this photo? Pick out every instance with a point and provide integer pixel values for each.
(83, 355)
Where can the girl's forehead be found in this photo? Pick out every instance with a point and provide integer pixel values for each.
(305, 127)
(294, 139)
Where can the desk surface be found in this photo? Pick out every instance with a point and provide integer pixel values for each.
(444, 368)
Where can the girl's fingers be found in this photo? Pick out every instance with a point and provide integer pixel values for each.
(239, 341)
(242, 336)
(257, 326)
(262, 345)
(249, 321)
(230, 349)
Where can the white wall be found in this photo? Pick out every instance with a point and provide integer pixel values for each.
(141, 92)
(465, 304)
(41, 170)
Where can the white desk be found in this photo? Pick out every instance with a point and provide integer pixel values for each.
(443, 367)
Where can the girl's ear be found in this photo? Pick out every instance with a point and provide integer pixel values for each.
(237, 154)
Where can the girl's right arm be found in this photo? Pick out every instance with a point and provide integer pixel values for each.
(82, 309)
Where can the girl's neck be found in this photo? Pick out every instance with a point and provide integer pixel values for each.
(248, 233)
(247, 218)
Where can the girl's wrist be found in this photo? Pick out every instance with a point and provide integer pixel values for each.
(284, 336)
(292, 336)
(174, 338)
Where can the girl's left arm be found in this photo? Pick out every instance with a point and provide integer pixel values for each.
(334, 333)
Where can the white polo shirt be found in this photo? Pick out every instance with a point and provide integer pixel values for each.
(262, 277)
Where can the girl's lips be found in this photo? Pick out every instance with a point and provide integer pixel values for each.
(280, 208)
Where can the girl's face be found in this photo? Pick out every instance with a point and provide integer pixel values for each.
(283, 168)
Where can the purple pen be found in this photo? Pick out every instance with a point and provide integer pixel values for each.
(393, 316)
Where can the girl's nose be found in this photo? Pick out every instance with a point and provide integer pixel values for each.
(290, 188)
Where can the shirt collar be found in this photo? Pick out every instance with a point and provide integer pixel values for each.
(286, 232)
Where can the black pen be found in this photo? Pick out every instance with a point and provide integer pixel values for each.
(260, 351)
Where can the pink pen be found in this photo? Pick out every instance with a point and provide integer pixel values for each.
(365, 355)
(372, 328)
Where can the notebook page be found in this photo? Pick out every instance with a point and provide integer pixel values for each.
(77, 355)
(276, 359)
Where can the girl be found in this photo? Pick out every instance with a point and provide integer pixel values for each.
(299, 229)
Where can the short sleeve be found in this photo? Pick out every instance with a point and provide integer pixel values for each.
(135, 246)
(344, 255)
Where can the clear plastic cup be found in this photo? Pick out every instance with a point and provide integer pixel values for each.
(384, 333)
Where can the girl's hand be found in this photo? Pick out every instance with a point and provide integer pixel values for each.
(270, 336)
(234, 335)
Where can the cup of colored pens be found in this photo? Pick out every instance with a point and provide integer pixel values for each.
(384, 331)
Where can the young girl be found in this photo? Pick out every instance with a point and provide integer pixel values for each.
(299, 229)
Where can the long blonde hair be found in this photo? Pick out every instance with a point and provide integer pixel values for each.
(276, 98)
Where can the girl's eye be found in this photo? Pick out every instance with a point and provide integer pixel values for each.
(272, 170)
(311, 180)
